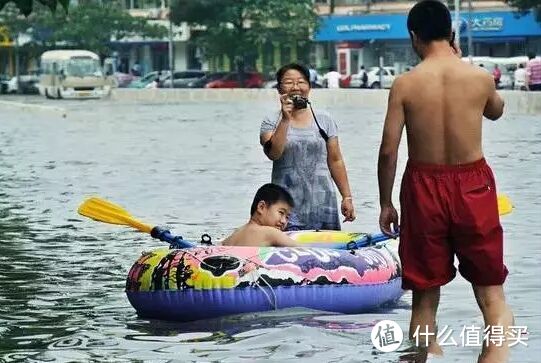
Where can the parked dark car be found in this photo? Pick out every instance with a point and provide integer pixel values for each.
(4, 79)
(182, 78)
(202, 82)
(251, 80)
(29, 85)
(27, 82)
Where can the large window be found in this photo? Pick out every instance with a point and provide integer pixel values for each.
(145, 4)
(82, 66)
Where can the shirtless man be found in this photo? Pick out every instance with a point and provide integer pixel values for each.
(448, 194)
(269, 214)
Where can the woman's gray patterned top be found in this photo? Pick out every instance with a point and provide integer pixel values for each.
(303, 171)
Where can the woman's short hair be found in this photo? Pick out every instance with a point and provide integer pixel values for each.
(295, 66)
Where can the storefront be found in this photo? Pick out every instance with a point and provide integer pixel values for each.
(363, 39)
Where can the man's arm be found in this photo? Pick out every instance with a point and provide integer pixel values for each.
(392, 133)
(494, 106)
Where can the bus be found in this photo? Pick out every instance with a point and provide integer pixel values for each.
(72, 74)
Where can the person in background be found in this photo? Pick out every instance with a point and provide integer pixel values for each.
(136, 69)
(303, 146)
(268, 217)
(313, 76)
(363, 75)
(154, 84)
(520, 81)
(497, 74)
(448, 195)
(333, 78)
(533, 71)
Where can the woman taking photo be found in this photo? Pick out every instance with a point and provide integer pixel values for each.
(303, 146)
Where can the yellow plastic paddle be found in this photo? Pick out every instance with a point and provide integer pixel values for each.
(504, 204)
(104, 211)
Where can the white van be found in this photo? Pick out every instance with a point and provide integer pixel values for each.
(72, 74)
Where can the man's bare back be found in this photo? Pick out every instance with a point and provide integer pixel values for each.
(443, 101)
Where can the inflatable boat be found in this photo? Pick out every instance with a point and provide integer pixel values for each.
(211, 281)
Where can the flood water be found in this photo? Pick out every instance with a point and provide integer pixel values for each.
(195, 167)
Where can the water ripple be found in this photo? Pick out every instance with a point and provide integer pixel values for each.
(195, 167)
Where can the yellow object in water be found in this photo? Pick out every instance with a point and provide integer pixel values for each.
(504, 204)
(104, 211)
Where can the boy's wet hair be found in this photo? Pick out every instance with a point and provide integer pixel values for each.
(270, 194)
(430, 20)
(296, 66)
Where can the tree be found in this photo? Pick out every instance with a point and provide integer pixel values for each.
(526, 5)
(26, 6)
(237, 28)
(90, 25)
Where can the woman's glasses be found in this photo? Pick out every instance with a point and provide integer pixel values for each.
(289, 83)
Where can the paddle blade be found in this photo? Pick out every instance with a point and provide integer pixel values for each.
(104, 211)
(504, 204)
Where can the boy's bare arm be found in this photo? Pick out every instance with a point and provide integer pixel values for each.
(392, 133)
(494, 106)
(280, 239)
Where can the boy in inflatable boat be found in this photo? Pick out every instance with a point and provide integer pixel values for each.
(268, 217)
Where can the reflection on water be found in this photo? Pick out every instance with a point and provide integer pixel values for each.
(195, 167)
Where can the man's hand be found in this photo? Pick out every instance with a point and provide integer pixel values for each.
(348, 211)
(388, 221)
(456, 49)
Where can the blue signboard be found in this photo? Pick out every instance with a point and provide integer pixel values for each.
(393, 26)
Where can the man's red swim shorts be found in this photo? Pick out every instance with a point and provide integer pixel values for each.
(447, 211)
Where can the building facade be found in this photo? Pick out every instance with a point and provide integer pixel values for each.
(362, 39)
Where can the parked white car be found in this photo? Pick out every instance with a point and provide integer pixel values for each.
(388, 77)
(357, 80)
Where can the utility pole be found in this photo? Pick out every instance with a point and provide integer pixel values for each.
(330, 45)
(171, 61)
(457, 22)
(17, 64)
(470, 40)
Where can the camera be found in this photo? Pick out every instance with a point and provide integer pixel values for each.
(299, 102)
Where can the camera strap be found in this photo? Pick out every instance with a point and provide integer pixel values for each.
(321, 131)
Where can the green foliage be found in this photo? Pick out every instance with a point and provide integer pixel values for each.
(525, 5)
(88, 26)
(238, 27)
(26, 6)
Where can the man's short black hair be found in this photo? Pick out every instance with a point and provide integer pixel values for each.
(270, 194)
(430, 20)
(296, 66)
